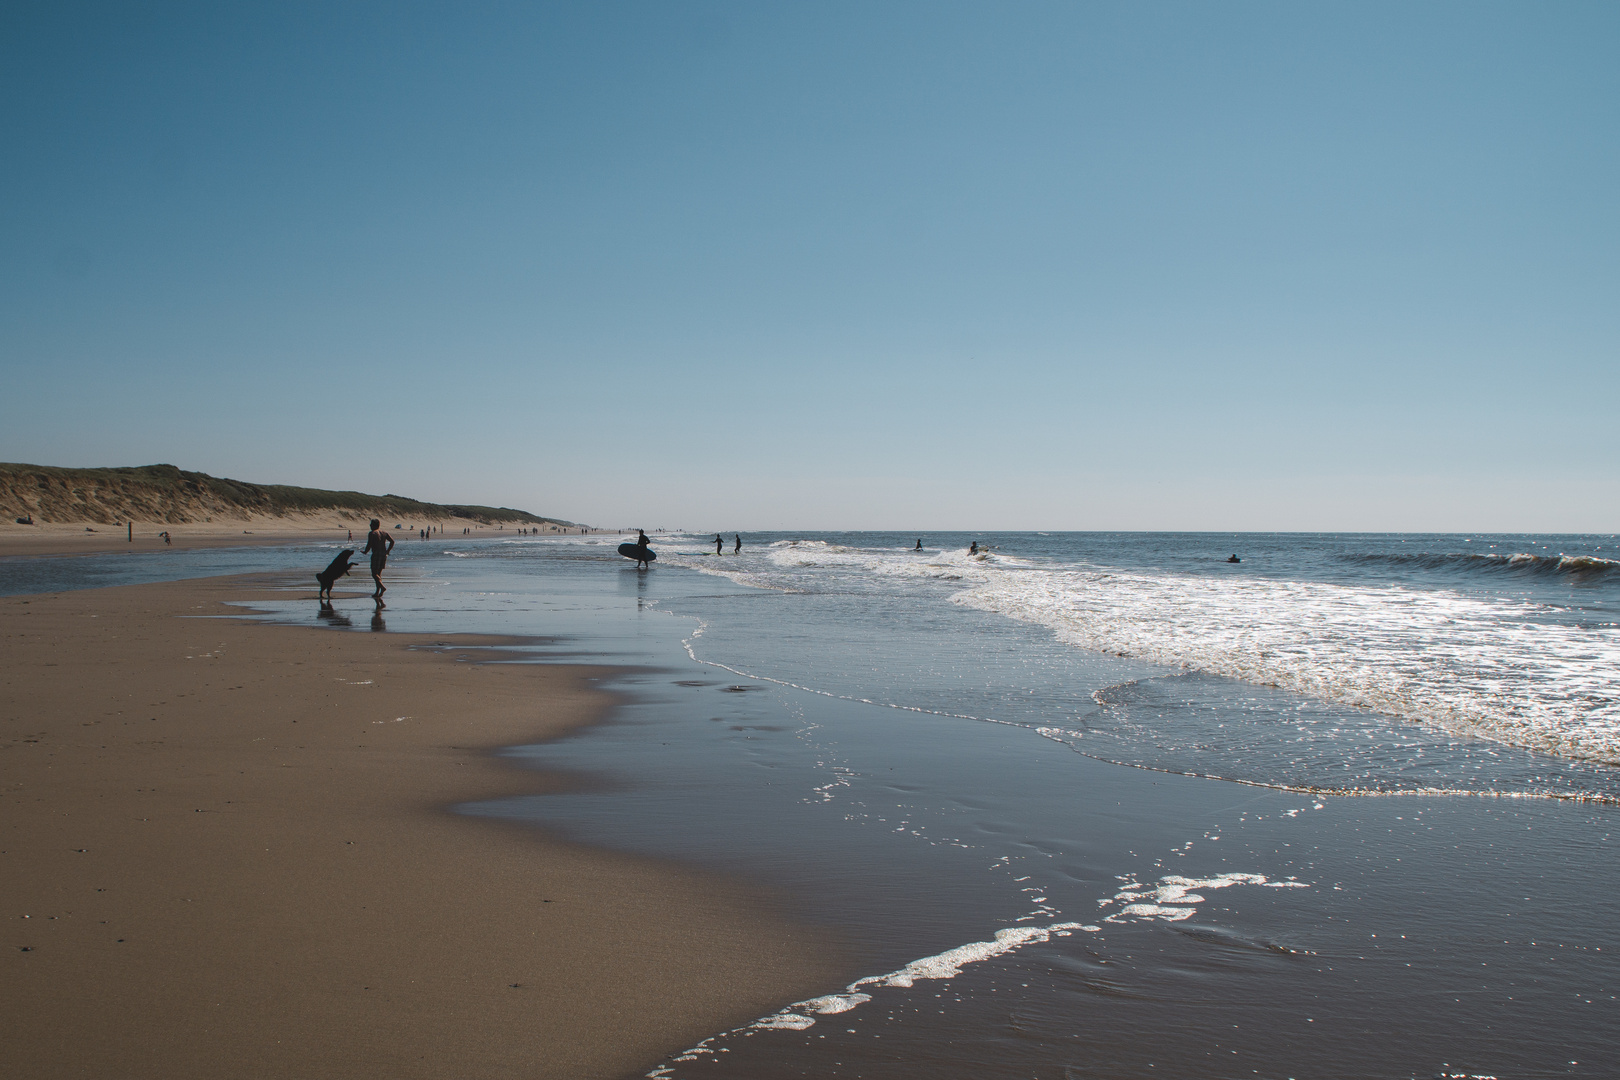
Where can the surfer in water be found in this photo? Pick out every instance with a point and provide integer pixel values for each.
(378, 544)
(973, 548)
(718, 543)
(1234, 558)
(738, 549)
(919, 544)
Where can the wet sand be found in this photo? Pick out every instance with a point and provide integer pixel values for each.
(89, 537)
(225, 850)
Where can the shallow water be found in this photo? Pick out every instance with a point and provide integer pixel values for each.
(1348, 663)
(896, 759)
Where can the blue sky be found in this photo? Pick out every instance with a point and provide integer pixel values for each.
(920, 266)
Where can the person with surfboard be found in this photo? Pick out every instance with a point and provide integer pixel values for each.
(638, 551)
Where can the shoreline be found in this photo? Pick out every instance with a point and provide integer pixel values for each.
(98, 538)
(192, 880)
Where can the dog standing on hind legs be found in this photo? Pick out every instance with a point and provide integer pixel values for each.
(338, 568)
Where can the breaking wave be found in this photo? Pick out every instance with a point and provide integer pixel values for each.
(1497, 666)
(1487, 668)
(1574, 567)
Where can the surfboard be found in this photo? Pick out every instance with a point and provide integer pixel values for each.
(637, 552)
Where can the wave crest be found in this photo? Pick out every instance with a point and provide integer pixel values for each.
(1577, 567)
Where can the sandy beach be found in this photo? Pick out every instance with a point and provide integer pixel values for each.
(227, 851)
(92, 537)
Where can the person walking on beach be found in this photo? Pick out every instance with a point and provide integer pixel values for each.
(378, 544)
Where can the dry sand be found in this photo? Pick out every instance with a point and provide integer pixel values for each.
(88, 537)
(225, 852)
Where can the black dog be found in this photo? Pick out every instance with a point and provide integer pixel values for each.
(328, 577)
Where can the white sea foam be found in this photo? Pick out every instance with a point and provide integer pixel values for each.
(948, 965)
(945, 965)
(790, 564)
(1488, 668)
(1457, 663)
(1495, 668)
(1173, 899)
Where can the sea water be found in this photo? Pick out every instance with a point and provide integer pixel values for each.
(992, 776)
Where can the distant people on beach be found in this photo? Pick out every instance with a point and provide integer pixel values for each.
(378, 545)
(718, 543)
(167, 539)
(738, 549)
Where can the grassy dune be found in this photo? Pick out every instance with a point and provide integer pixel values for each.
(166, 494)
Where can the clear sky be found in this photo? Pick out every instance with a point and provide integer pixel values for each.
(894, 265)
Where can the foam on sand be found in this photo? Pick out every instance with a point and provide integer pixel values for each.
(946, 965)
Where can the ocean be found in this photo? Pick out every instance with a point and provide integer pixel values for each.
(1088, 804)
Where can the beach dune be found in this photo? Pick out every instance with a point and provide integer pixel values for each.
(47, 510)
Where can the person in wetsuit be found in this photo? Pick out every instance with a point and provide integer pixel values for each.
(738, 549)
(378, 544)
(718, 543)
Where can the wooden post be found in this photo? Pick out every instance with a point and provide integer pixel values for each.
(131, 525)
